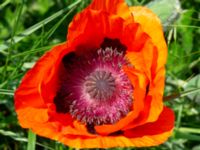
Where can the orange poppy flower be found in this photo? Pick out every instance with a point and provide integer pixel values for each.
(103, 87)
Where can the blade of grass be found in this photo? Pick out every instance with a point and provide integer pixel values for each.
(13, 135)
(37, 26)
(4, 4)
(188, 136)
(20, 138)
(32, 51)
(18, 13)
(179, 116)
(49, 34)
(190, 130)
(6, 92)
(183, 94)
(53, 29)
(183, 26)
(38, 42)
(31, 140)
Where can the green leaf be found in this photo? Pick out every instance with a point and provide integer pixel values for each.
(31, 140)
(167, 10)
(186, 33)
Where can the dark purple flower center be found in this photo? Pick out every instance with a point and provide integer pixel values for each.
(95, 89)
(100, 85)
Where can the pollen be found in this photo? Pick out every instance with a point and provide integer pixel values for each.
(95, 89)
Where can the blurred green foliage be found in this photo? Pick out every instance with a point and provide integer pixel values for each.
(182, 34)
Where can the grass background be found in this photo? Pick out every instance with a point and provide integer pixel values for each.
(28, 28)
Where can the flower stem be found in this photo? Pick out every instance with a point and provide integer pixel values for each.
(31, 140)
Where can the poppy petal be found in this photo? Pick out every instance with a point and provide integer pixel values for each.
(40, 83)
(151, 24)
(152, 57)
(147, 63)
(37, 90)
(150, 134)
(82, 38)
(118, 7)
(121, 141)
(30, 115)
(164, 123)
(34, 97)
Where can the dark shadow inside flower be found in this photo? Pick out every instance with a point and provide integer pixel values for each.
(90, 128)
(114, 43)
(120, 132)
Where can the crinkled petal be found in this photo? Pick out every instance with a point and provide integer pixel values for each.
(39, 85)
(116, 7)
(115, 141)
(164, 123)
(82, 38)
(151, 59)
(151, 24)
(150, 134)
(34, 97)
(146, 62)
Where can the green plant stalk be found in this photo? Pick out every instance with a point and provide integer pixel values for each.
(31, 140)
(190, 130)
